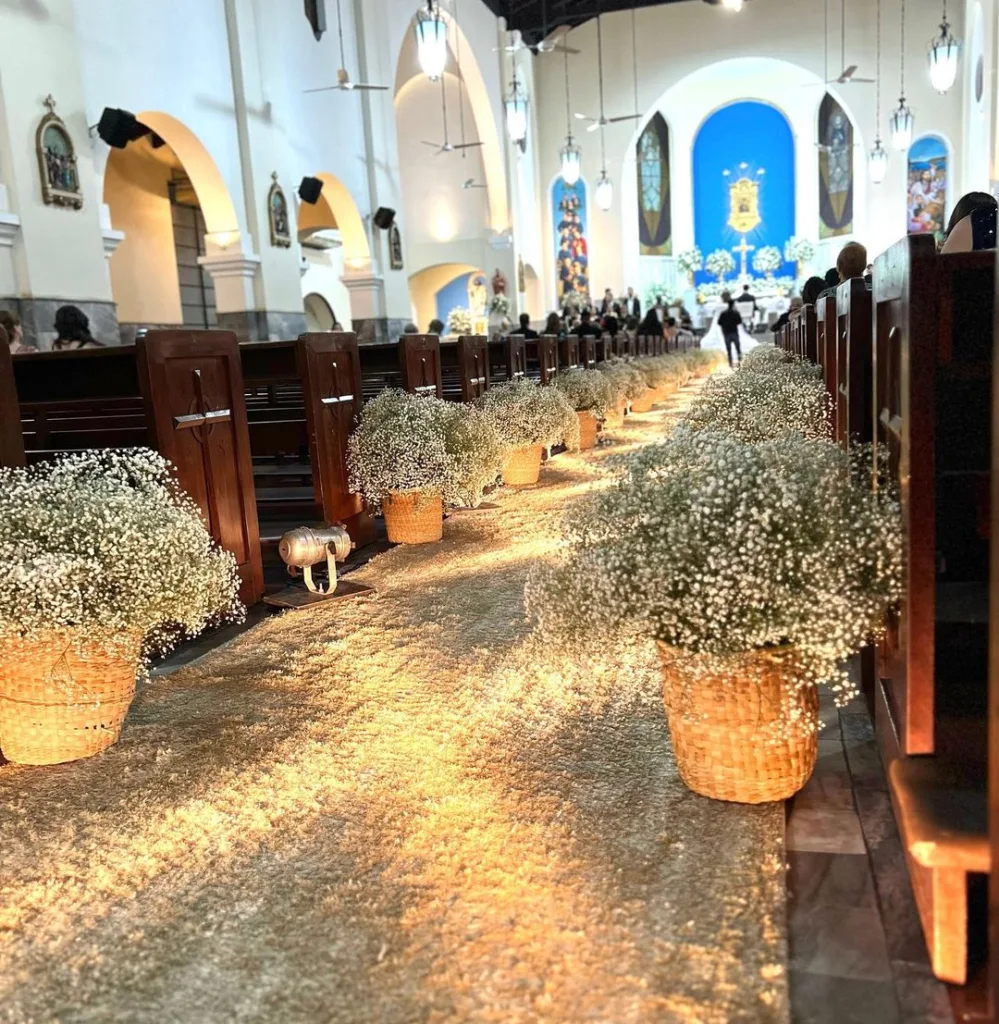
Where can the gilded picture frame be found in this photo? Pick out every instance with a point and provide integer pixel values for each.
(278, 215)
(57, 165)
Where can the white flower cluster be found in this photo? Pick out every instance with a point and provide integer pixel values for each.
(626, 379)
(720, 262)
(722, 549)
(529, 414)
(108, 543)
(766, 355)
(690, 261)
(768, 260)
(663, 371)
(799, 250)
(765, 400)
(587, 391)
(459, 321)
(405, 442)
(499, 305)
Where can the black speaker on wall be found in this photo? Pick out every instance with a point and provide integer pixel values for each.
(310, 190)
(118, 127)
(315, 11)
(384, 218)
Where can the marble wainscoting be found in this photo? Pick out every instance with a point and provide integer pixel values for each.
(378, 331)
(38, 317)
(263, 324)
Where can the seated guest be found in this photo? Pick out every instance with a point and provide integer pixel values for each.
(972, 224)
(554, 325)
(525, 331)
(611, 325)
(587, 328)
(631, 324)
(73, 330)
(851, 263)
(411, 328)
(650, 327)
(814, 288)
(436, 327)
(832, 278)
(796, 304)
(747, 306)
(15, 335)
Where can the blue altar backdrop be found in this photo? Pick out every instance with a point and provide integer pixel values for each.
(748, 140)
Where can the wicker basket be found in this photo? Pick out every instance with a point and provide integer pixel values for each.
(523, 467)
(645, 403)
(750, 739)
(412, 517)
(587, 431)
(62, 699)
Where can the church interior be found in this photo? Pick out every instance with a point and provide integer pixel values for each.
(496, 504)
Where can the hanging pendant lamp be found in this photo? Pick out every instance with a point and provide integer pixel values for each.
(569, 155)
(431, 40)
(943, 56)
(877, 161)
(604, 191)
(516, 110)
(902, 120)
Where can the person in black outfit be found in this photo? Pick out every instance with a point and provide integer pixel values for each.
(634, 304)
(73, 330)
(730, 321)
(812, 290)
(525, 330)
(651, 327)
(436, 327)
(587, 328)
(611, 325)
(972, 224)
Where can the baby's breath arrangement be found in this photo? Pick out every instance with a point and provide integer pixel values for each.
(723, 549)
(107, 545)
(476, 449)
(626, 379)
(587, 391)
(764, 404)
(529, 414)
(660, 371)
(764, 356)
(399, 446)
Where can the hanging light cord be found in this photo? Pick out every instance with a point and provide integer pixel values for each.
(461, 79)
(600, 61)
(568, 109)
(903, 50)
(339, 28)
(877, 75)
(634, 54)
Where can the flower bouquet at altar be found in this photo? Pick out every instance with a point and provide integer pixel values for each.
(757, 569)
(104, 561)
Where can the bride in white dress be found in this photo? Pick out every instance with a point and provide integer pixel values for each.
(716, 340)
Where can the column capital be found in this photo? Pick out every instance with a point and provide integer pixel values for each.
(230, 264)
(10, 225)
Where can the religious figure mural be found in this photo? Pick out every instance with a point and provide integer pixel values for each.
(277, 208)
(572, 266)
(744, 190)
(478, 298)
(57, 161)
(927, 189)
(655, 232)
(835, 170)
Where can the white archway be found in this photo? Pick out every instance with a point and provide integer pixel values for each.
(336, 209)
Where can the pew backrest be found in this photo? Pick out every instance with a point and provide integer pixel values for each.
(826, 337)
(11, 438)
(473, 366)
(854, 359)
(568, 353)
(420, 361)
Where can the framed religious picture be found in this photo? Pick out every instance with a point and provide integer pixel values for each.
(395, 248)
(57, 161)
(277, 213)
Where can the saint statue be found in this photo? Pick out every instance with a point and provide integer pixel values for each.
(477, 297)
(499, 283)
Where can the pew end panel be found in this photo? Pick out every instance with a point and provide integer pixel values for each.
(193, 385)
(473, 366)
(420, 361)
(11, 437)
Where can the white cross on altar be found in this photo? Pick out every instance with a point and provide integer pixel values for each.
(744, 250)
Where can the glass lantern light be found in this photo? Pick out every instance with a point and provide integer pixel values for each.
(902, 123)
(877, 163)
(571, 161)
(431, 41)
(604, 192)
(943, 55)
(516, 111)
(732, 5)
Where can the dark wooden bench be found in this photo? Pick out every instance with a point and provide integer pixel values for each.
(827, 344)
(507, 359)
(587, 352)
(542, 358)
(932, 384)
(854, 362)
(412, 364)
(464, 368)
(569, 353)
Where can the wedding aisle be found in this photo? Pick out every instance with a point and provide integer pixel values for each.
(394, 810)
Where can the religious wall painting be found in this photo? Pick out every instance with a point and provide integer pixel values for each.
(57, 161)
(926, 202)
(835, 170)
(572, 257)
(277, 211)
(396, 261)
(655, 232)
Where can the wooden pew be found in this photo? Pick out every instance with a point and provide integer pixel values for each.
(568, 353)
(464, 368)
(507, 359)
(827, 342)
(854, 359)
(542, 358)
(11, 438)
(932, 383)
(587, 352)
(413, 364)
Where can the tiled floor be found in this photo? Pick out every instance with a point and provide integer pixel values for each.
(857, 952)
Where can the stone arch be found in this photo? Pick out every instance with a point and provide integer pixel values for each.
(426, 283)
(493, 161)
(336, 209)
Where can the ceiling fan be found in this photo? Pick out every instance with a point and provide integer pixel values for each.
(343, 82)
(849, 74)
(448, 146)
(545, 45)
(472, 183)
(603, 121)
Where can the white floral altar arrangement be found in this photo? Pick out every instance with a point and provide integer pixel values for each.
(799, 250)
(690, 261)
(720, 263)
(459, 321)
(499, 306)
(768, 260)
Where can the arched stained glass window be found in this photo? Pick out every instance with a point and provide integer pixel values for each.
(654, 221)
(835, 170)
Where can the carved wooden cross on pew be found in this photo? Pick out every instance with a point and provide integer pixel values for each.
(336, 398)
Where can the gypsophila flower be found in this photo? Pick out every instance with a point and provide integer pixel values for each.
(626, 379)
(587, 391)
(529, 414)
(107, 545)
